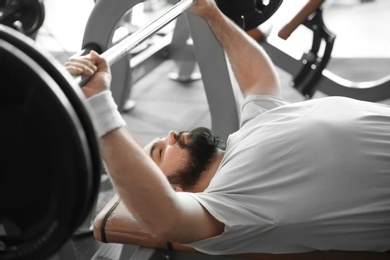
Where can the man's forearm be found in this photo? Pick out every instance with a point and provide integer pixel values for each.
(252, 67)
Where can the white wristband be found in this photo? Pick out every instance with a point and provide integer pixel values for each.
(106, 113)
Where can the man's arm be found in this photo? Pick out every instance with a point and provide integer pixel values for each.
(141, 185)
(252, 67)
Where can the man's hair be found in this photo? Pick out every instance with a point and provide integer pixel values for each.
(202, 148)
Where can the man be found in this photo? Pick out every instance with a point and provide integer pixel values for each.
(300, 177)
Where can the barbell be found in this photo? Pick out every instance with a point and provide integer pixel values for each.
(49, 152)
(247, 14)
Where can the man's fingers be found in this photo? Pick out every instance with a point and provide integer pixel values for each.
(94, 55)
(99, 61)
(80, 66)
(83, 60)
(78, 70)
(74, 70)
(86, 65)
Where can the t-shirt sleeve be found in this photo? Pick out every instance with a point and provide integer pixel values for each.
(240, 224)
(254, 105)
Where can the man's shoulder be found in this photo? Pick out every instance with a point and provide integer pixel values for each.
(255, 105)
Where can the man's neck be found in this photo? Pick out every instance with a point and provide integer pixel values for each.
(208, 174)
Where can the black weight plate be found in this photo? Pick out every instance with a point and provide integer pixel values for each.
(42, 156)
(31, 13)
(262, 13)
(75, 96)
(248, 14)
(34, 11)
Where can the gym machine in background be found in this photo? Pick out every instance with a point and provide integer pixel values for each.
(309, 72)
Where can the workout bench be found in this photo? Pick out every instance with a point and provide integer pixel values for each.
(115, 224)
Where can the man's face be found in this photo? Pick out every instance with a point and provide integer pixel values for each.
(169, 153)
(184, 156)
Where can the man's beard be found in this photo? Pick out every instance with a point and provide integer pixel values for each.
(202, 148)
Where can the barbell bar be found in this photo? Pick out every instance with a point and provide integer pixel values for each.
(119, 50)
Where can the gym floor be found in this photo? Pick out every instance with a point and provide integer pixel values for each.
(161, 104)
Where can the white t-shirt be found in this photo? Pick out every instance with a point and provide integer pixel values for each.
(299, 177)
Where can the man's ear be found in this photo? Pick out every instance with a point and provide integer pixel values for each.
(177, 188)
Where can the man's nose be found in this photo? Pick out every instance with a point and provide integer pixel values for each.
(172, 137)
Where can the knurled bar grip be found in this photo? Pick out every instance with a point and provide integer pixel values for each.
(120, 49)
(299, 18)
